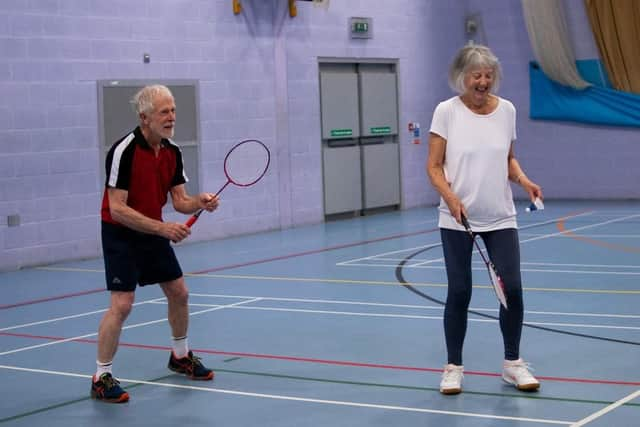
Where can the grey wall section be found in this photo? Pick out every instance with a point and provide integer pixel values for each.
(378, 101)
(339, 95)
(120, 118)
(116, 118)
(342, 179)
(380, 173)
(359, 105)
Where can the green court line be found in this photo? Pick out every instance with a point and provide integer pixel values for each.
(45, 409)
(521, 395)
(71, 402)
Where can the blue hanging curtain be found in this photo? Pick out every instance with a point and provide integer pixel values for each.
(597, 104)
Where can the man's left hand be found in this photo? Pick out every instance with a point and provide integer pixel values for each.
(208, 201)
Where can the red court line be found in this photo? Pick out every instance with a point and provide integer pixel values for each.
(327, 361)
(614, 246)
(37, 301)
(227, 267)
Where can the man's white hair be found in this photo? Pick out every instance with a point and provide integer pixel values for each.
(142, 101)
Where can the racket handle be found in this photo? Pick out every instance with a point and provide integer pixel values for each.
(193, 218)
(465, 222)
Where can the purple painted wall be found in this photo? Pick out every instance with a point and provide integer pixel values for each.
(569, 160)
(258, 76)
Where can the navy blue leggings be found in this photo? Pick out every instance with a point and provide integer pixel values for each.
(504, 251)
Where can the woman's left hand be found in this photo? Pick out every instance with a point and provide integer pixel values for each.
(533, 189)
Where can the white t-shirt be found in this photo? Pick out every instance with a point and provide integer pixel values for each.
(476, 163)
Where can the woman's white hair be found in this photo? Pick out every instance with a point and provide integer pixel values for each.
(142, 101)
(473, 56)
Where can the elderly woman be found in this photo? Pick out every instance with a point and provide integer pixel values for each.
(471, 161)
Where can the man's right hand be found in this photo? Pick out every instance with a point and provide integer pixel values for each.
(175, 231)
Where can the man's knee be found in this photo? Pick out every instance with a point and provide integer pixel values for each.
(121, 304)
(176, 291)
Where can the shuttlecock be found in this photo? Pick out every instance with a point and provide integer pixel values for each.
(536, 205)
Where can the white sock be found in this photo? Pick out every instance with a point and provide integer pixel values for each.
(180, 347)
(103, 368)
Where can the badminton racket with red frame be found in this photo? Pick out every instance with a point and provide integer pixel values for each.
(496, 281)
(244, 165)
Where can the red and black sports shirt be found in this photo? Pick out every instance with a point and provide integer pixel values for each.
(132, 165)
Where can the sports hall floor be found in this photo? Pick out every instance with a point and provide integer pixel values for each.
(340, 324)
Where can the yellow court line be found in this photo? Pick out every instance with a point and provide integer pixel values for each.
(430, 285)
(307, 279)
(368, 282)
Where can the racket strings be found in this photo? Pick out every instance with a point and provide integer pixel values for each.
(246, 163)
(494, 278)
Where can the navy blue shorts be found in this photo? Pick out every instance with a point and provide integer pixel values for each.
(132, 258)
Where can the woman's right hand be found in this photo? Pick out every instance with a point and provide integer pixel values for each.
(455, 207)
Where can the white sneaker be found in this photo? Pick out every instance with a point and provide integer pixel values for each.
(451, 379)
(516, 372)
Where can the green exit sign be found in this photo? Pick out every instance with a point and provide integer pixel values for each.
(380, 130)
(360, 27)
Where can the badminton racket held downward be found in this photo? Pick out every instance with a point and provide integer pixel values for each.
(244, 165)
(496, 281)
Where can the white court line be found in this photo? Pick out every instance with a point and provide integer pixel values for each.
(554, 264)
(530, 270)
(73, 316)
(551, 221)
(544, 236)
(598, 224)
(427, 307)
(556, 313)
(137, 325)
(336, 302)
(300, 399)
(389, 253)
(582, 325)
(611, 212)
(582, 265)
(606, 236)
(412, 316)
(414, 263)
(421, 264)
(321, 301)
(606, 410)
(351, 302)
(345, 313)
